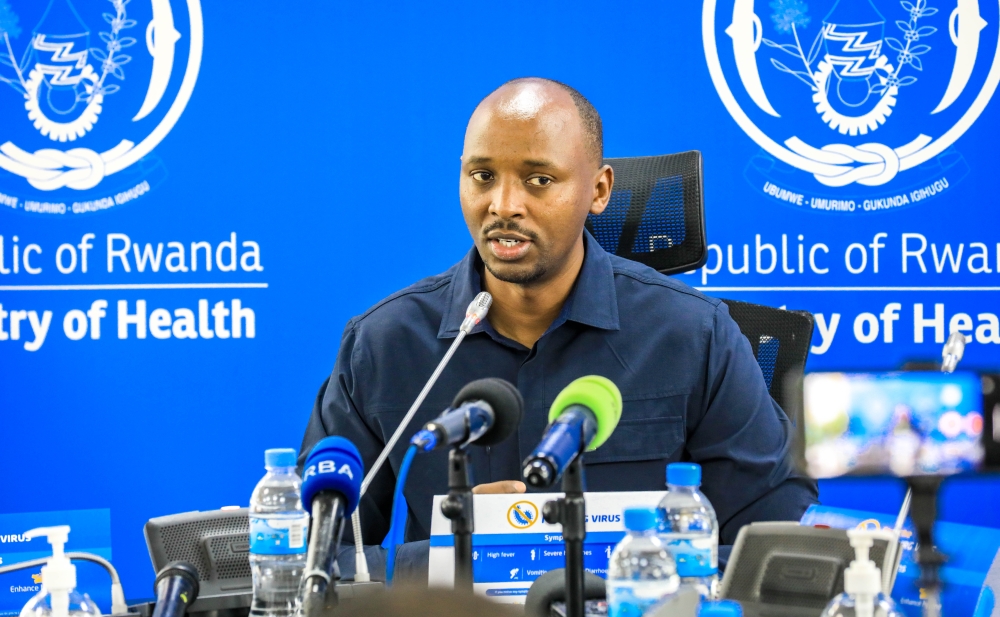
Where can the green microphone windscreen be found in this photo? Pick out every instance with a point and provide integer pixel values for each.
(601, 396)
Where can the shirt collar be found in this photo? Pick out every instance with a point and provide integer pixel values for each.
(592, 301)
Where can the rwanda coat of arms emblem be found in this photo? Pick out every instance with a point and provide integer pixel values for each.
(847, 94)
(87, 89)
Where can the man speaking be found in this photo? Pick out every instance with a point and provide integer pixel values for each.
(531, 172)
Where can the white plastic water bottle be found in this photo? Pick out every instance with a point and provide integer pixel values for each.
(641, 572)
(689, 529)
(279, 529)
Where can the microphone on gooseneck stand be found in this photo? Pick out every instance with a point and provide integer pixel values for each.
(176, 589)
(581, 418)
(485, 412)
(474, 314)
(331, 488)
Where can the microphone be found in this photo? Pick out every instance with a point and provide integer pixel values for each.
(331, 489)
(582, 417)
(485, 411)
(953, 350)
(478, 308)
(474, 314)
(176, 589)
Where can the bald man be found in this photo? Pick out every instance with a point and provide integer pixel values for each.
(532, 170)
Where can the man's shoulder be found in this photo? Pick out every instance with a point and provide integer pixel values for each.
(425, 298)
(636, 277)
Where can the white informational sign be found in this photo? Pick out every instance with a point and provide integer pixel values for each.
(512, 545)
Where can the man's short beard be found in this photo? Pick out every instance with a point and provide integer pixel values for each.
(519, 278)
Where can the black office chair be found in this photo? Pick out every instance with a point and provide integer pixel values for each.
(780, 341)
(656, 214)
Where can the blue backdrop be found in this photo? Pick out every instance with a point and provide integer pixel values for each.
(327, 138)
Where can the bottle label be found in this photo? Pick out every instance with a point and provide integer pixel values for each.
(634, 598)
(279, 536)
(694, 556)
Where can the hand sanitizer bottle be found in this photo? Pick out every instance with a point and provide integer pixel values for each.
(862, 595)
(58, 597)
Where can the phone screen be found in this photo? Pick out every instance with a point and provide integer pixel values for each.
(900, 424)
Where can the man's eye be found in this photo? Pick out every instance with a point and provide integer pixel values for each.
(539, 181)
(482, 176)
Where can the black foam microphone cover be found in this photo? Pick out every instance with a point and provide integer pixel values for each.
(551, 587)
(505, 400)
(176, 589)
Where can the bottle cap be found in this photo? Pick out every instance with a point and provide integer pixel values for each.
(640, 519)
(684, 474)
(721, 608)
(279, 457)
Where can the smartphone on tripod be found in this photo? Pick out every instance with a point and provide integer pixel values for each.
(901, 423)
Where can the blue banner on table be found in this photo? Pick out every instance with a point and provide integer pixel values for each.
(513, 545)
(90, 532)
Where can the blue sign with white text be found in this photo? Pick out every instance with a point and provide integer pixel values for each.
(196, 197)
(516, 557)
(90, 532)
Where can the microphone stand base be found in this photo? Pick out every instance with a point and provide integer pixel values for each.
(571, 512)
(457, 507)
(923, 514)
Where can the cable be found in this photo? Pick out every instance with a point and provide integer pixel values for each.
(893, 547)
(361, 563)
(118, 606)
(904, 510)
(397, 525)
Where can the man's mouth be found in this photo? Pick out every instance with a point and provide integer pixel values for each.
(509, 248)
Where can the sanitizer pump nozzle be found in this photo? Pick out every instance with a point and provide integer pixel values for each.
(862, 579)
(862, 595)
(58, 597)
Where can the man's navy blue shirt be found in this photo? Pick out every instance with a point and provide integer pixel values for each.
(691, 387)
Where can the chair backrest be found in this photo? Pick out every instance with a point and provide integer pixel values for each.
(656, 214)
(780, 341)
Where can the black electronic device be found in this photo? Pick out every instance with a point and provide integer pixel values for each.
(216, 543)
(908, 423)
(780, 568)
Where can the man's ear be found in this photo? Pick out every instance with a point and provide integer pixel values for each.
(603, 183)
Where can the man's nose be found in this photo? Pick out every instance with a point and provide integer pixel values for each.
(508, 200)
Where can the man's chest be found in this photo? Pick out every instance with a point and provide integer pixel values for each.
(660, 383)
